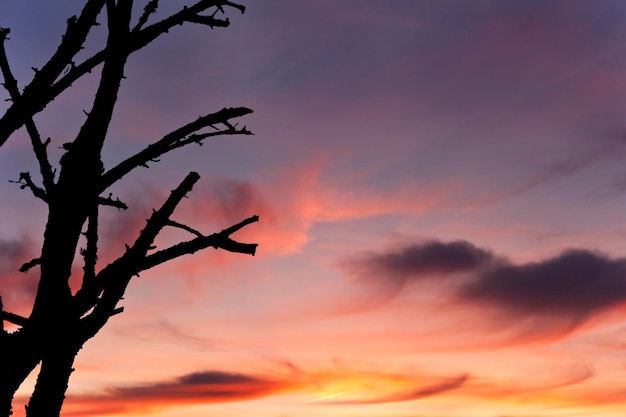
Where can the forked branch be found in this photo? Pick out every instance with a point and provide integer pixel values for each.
(39, 147)
(110, 283)
(37, 94)
(49, 82)
(220, 240)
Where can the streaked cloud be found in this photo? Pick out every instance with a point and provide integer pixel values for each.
(416, 394)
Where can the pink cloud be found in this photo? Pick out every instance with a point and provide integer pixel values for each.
(18, 288)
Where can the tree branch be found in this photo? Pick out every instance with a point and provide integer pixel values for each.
(176, 139)
(36, 94)
(26, 181)
(88, 142)
(219, 240)
(109, 201)
(184, 227)
(187, 14)
(46, 85)
(39, 147)
(28, 265)
(209, 21)
(150, 8)
(13, 318)
(111, 282)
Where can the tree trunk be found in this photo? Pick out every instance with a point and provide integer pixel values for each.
(18, 361)
(52, 382)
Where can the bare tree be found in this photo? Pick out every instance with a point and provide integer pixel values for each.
(74, 191)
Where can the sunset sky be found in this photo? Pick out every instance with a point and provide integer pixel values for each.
(441, 188)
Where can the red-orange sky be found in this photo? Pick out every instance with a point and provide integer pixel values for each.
(442, 194)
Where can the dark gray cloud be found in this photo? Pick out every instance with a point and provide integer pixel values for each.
(204, 387)
(215, 377)
(576, 283)
(434, 257)
(417, 261)
(573, 285)
(198, 387)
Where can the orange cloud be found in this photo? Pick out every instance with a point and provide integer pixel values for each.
(338, 386)
(196, 388)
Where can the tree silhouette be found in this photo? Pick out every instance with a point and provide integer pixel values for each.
(75, 189)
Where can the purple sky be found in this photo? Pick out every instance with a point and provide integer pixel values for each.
(441, 187)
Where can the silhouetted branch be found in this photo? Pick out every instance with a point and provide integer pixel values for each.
(219, 240)
(232, 229)
(160, 218)
(187, 14)
(61, 321)
(39, 147)
(209, 21)
(109, 201)
(150, 8)
(13, 318)
(183, 227)
(47, 83)
(26, 181)
(93, 131)
(198, 138)
(111, 281)
(36, 94)
(28, 265)
(10, 83)
(138, 39)
(176, 139)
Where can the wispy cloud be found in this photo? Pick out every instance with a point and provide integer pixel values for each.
(419, 393)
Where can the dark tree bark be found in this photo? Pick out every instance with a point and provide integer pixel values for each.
(61, 321)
